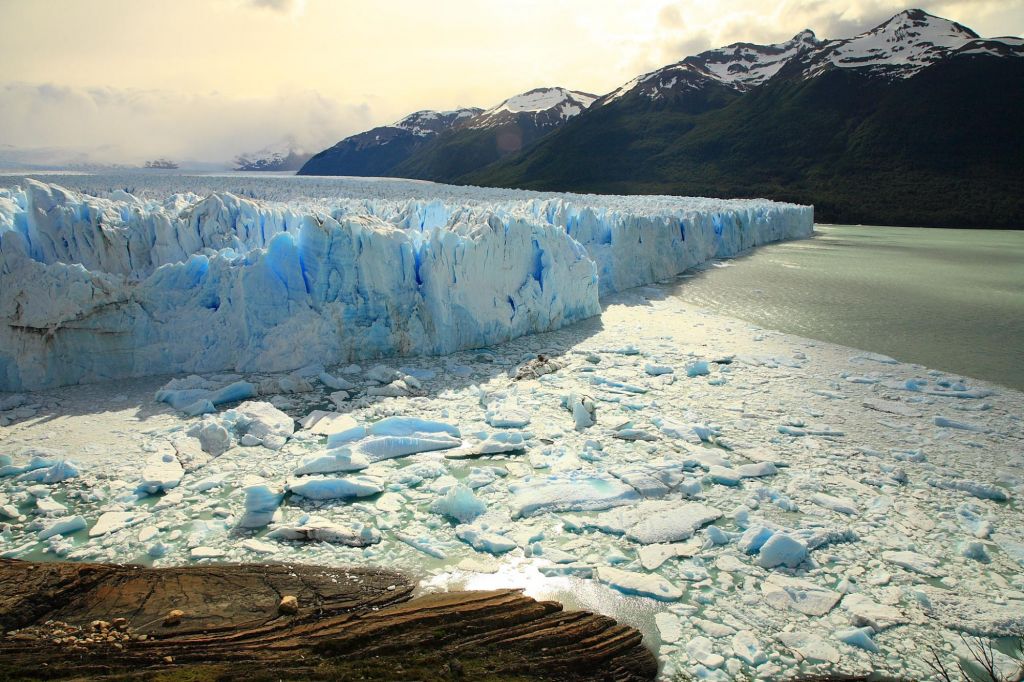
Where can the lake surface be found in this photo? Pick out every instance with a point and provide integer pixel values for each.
(948, 299)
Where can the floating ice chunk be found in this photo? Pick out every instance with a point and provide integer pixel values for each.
(348, 435)
(258, 546)
(331, 488)
(628, 388)
(967, 613)
(62, 526)
(161, 473)
(809, 647)
(669, 627)
(571, 491)
(583, 409)
(713, 628)
(213, 438)
(423, 543)
(858, 637)
(506, 415)
(653, 556)
(697, 368)
(782, 549)
(800, 595)
(390, 447)
(61, 471)
(408, 426)
(671, 522)
(969, 516)
(183, 398)
(319, 530)
(324, 423)
(963, 426)
(757, 470)
(484, 541)
(657, 370)
(864, 611)
(203, 552)
(262, 421)
(575, 569)
(333, 461)
(48, 505)
(111, 521)
(460, 504)
(747, 648)
(496, 443)
(1013, 548)
(842, 505)
(754, 538)
(980, 490)
(261, 503)
(335, 383)
(914, 562)
(724, 476)
(702, 651)
(642, 584)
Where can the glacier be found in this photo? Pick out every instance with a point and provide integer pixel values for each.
(199, 274)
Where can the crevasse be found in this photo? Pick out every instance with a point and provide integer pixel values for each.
(115, 286)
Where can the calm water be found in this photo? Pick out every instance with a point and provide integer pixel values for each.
(949, 299)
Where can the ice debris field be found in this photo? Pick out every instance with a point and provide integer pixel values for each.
(758, 504)
(188, 276)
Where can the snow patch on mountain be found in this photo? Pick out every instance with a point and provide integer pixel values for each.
(557, 104)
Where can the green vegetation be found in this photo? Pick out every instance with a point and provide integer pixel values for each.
(944, 148)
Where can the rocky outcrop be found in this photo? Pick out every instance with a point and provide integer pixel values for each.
(89, 620)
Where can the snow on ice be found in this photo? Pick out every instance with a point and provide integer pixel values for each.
(634, 464)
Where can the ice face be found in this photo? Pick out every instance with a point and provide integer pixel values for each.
(106, 288)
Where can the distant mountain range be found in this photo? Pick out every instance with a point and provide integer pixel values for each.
(915, 122)
(448, 144)
(283, 156)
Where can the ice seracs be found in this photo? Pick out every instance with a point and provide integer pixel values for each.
(221, 282)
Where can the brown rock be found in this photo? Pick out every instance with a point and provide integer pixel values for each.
(173, 617)
(289, 605)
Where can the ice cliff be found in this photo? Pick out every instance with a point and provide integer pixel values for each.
(115, 284)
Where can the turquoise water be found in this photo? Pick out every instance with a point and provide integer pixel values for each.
(948, 299)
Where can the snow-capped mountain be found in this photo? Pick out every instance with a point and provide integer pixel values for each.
(740, 66)
(435, 144)
(898, 48)
(377, 151)
(544, 107)
(914, 122)
(426, 123)
(283, 156)
(903, 45)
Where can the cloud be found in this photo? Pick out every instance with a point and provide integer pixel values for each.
(131, 126)
(292, 7)
(685, 27)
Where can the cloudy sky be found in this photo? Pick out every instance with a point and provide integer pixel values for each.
(127, 80)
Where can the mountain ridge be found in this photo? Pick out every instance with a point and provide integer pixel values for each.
(910, 122)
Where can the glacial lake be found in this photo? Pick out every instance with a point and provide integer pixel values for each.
(948, 299)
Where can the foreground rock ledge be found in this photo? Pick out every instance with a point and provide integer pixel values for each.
(351, 623)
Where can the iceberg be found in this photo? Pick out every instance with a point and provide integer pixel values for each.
(105, 285)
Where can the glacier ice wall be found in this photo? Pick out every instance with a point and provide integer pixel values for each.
(115, 284)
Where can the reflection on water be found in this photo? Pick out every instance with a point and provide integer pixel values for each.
(948, 299)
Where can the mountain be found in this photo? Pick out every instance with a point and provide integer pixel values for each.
(378, 151)
(443, 146)
(501, 130)
(284, 156)
(915, 122)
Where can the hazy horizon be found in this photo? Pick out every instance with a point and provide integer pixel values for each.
(112, 81)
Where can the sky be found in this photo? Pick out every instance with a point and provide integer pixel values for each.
(204, 80)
